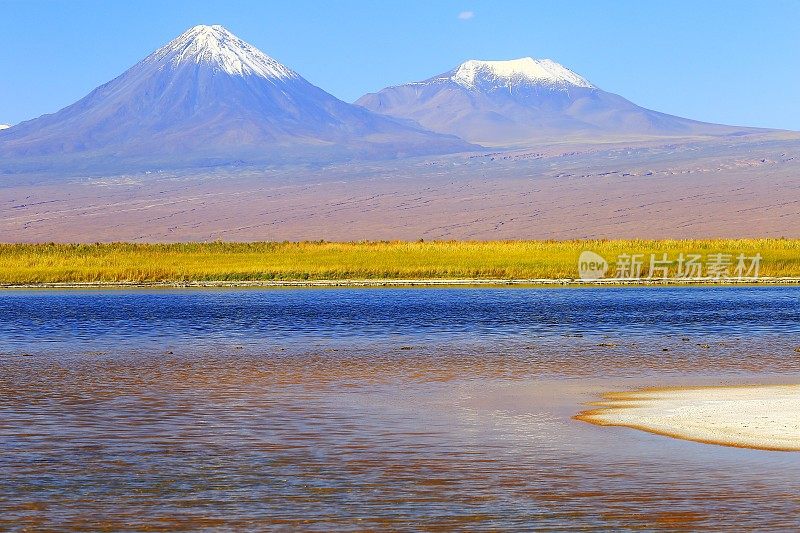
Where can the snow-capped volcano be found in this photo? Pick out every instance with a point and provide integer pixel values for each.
(525, 71)
(209, 98)
(524, 101)
(221, 50)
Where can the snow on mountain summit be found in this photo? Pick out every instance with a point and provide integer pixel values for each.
(537, 71)
(522, 102)
(216, 46)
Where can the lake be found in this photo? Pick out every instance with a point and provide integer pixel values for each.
(353, 409)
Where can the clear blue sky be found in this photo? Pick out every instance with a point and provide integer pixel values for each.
(721, 61)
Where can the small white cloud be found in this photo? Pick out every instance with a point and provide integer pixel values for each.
(466, 15)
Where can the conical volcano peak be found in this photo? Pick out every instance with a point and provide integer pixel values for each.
(220, 49)
(209, 98)
(474, 72)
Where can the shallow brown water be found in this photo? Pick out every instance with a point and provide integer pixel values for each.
(381, 430)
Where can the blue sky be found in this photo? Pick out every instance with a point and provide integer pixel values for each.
(721, 61)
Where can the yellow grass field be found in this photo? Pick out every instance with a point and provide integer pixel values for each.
(218, 261)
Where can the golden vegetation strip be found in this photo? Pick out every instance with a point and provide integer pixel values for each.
(288, 261)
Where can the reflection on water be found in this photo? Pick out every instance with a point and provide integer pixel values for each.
(366, 409)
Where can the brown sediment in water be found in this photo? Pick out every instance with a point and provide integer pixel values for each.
(329, 439)
(761, 417)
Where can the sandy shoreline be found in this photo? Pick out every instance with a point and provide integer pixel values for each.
(763, 417)
(423, 282)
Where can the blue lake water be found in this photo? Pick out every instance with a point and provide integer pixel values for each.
(374, 408)
(147, 319)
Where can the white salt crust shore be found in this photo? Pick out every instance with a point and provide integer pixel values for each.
(764, 417)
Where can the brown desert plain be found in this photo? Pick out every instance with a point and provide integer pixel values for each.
(661, 188)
